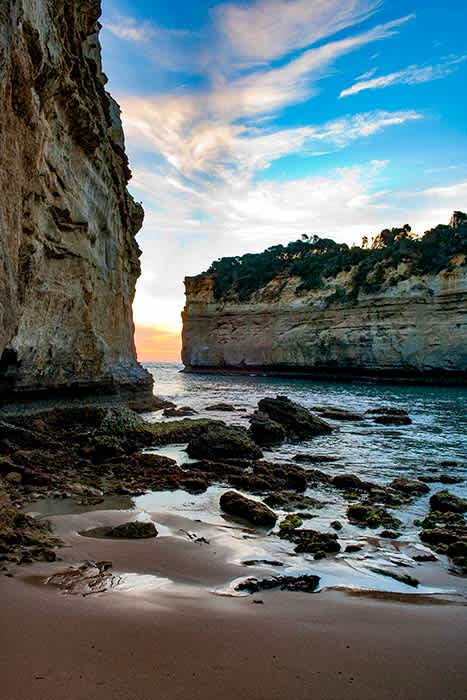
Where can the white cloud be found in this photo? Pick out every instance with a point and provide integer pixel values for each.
(269, 29)
(412, 75)
(129, 29)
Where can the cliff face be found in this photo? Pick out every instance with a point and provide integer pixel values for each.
(68, 256)
(416, 328)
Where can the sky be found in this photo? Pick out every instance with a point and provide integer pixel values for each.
(250, 123)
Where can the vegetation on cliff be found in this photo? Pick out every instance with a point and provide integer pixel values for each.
(314, 260)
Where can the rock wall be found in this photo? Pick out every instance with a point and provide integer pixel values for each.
(69, 260)
(415, 329)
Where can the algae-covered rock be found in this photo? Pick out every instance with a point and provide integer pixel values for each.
(367, 514)
(223, 442)
(233, 503)
(289, 523)
(312, 541)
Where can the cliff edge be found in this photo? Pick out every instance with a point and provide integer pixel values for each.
(395, 309)
(68, 255)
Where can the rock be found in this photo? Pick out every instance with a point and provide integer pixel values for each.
(262, 562)
(444, 501)
(390, 534)
(402, 578)
(68, 250)
(421, 558)
(350, 482)
(265, 431)
(222, 407)
(14, 478)
(353, 548)
(307, 583)
(313, 541)
(194, 485)
(336, 525)
(173, 412)
(290, 501)
(148, 404)
(127, 531)
(334, 413)
(366, 514)
(450, 479)
(390, 416)
(84, 490)
(289, 523)
(298, 422)
(446, 533)
(316, 459)
(239, 506)
(410, 487)
(221, 442)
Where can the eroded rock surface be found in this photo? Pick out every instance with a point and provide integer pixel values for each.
(68, 256)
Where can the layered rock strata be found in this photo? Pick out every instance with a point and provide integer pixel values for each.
(415, 329)
(68, 255)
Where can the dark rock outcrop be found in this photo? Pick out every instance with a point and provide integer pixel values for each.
(239, 506)
(220, 442)
(297, 421)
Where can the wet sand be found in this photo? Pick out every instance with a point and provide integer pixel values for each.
(183, 642)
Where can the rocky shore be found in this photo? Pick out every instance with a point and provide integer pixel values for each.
(89, 453)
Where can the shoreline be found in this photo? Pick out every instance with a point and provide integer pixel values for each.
(181, 642)
(435, 378)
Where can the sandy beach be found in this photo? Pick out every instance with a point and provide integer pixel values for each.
(182, 641)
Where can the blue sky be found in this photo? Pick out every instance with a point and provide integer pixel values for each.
(250, 123)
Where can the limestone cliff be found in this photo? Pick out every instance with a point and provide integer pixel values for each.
(409, 326)
(68, 256)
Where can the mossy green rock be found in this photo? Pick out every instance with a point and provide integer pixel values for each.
(219, 442)
(366, 514)
(233, 503)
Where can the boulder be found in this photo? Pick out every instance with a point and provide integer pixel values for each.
(233, 503)
(264, 430)
(409, 487)
(446, 502)
(220, 442)
(297, 421)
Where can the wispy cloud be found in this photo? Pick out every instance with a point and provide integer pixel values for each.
(412, 75)
(129, 29)
(270, 29)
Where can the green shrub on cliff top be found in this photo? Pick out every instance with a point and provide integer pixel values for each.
(315, 259)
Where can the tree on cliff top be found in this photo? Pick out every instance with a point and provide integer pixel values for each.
(314, 260)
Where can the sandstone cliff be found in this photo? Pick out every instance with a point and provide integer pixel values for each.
(410, 325)
(68, 256)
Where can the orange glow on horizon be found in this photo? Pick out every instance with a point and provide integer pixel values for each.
(157, 344)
